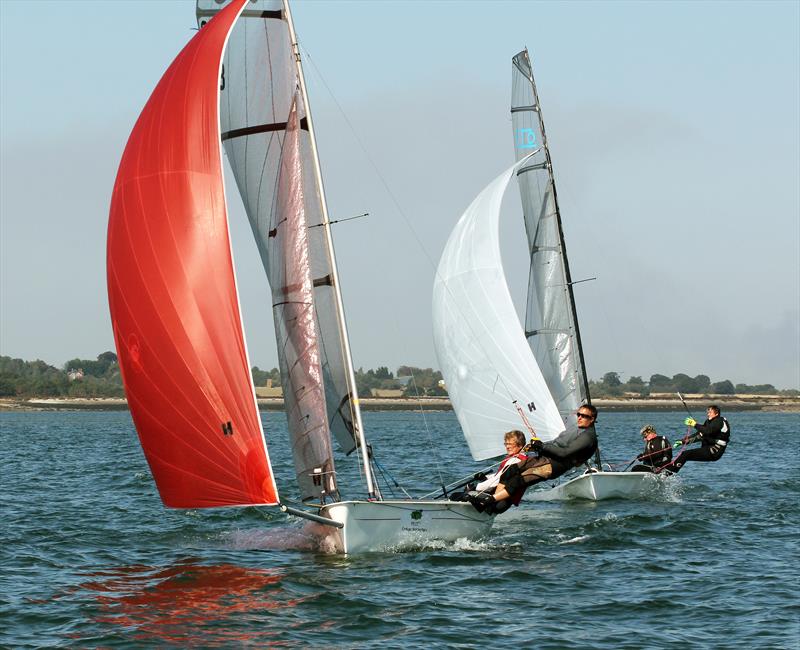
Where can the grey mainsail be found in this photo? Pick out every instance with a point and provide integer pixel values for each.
(551, 324)
(259, 91)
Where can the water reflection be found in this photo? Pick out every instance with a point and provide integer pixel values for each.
(190, 603)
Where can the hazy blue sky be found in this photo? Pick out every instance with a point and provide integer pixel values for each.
(674, 129)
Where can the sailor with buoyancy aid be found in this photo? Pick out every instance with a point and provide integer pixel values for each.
(714, 435)
(513, 441)
(571, 448)
(657, 451)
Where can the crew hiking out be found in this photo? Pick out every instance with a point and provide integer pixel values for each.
(714, 435)
(549, 460)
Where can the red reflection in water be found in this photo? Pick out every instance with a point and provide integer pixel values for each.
(190, 603)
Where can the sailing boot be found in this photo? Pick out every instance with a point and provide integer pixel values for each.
(481, 501)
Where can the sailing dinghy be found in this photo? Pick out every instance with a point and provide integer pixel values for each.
(174, 303)
(499, 375)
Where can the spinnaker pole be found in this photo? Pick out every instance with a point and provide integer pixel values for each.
(372, 488)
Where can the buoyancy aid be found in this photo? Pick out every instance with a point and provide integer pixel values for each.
(715, 432)
(651, 455)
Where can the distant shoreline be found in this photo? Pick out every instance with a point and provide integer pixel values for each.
(777, 403)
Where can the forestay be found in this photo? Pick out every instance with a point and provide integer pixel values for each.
(172, 294)
(550, 321)
(480, 344)
(259, 90)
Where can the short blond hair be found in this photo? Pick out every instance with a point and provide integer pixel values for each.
(515, 435)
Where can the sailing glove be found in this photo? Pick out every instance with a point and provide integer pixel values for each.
(537, 446)
(690, 422)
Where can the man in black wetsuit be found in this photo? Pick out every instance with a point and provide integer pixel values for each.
(570, 449)
(657, 451)
(714, 435)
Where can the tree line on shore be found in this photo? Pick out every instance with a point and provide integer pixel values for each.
(412, 381)
(611, 385)
(101, 378)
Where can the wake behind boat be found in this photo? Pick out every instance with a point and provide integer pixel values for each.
(175, 307)
(491, 364)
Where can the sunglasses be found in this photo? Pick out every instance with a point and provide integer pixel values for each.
(588, 416)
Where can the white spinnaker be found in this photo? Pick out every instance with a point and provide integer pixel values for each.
(481, 346)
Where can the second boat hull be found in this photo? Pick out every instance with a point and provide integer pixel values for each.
(598, 486)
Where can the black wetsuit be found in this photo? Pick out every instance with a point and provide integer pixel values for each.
(714, 435)
(657, 453)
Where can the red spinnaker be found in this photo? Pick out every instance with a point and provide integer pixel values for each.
(172, 293)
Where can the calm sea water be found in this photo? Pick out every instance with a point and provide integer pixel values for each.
(91, 558)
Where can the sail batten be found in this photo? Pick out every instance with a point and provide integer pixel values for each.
(172, 294)
(260, 128)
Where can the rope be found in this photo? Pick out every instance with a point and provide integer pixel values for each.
(642, 457)
(385, 473)
(525, 420)
(383, 476)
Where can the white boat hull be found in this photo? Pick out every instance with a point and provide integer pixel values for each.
(381, 525)
(598, 486)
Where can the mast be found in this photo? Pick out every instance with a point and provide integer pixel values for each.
(348, 360)
(560, 229)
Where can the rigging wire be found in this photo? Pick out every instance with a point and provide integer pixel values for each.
(391, 195)
(330, 223)
(428, 432)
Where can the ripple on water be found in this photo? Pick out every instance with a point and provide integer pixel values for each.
(94, 559)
